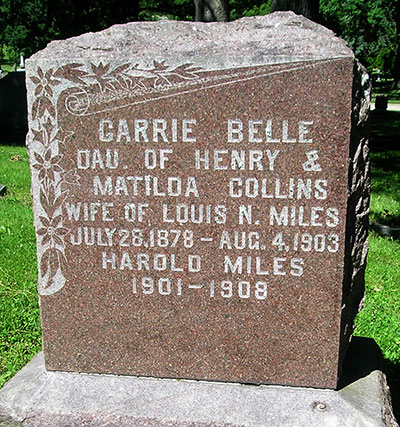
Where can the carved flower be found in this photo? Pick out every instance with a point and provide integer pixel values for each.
(43, 133)
(71, 177)
(47, 165)
(52, 231)
(100, 72)
(44, 81)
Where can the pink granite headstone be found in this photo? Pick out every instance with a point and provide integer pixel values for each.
(200, 199)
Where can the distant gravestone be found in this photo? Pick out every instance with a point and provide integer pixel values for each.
(381, 103)
(200, 198)
(13, 108)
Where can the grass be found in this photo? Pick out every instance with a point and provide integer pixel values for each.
(19, 313)
(5, 64)
(380, 318)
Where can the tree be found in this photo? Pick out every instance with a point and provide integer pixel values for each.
(28, 25)
(368, 26)
(371, 27)
(239, 8)
(396, 65)
(19, 21)
(307, 8)
(153, 10)
(211, 10)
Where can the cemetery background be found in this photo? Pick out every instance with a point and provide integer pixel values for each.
(370, 27)
(20, 338)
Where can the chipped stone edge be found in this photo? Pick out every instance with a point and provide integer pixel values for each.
(357, 224)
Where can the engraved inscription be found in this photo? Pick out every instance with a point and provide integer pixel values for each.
(147, 207)
(270, 249)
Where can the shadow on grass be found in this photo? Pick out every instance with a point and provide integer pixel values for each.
(385, 164)
(392, 372)
(385, 133)
(385, 177)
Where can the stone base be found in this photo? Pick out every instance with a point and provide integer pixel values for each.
(36, 397)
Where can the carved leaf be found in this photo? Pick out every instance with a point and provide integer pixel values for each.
(57, 202)
(187, 71)
(44, 262)
(71, 177)
(100, 70)
(44, 201)
(58, 241)
(62, 231)
(50, 262)
(35, 108)
(39, 159)
(48, 128)
(46, 240)
(45, 104)
(72, 73)
(44, 221)
(35, 80)
(110, 86)
(123, 82)
(119, 70)
(62, 135)
(161, 81)
(37, 135)
(160, 66)
(56, 221)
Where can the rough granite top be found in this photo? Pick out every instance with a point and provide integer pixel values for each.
(274, 38)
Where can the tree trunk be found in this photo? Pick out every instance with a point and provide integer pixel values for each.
(307, 8)
(211, 10)
(396, 70)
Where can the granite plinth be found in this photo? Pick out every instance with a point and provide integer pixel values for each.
(36, 397)
(200, 206)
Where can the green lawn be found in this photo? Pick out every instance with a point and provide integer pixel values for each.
(19, 312)
(380, 318)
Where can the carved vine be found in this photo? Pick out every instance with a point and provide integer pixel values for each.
(48, 141)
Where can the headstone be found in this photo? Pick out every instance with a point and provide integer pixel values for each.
(200, 200)
(381, 103)
(13, 108)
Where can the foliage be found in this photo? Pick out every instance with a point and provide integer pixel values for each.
(307, 8)
(28, 25)
(19, 20)
(154, 10)
(241, 8)
(369, 26)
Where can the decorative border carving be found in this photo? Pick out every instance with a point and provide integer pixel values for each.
(47, 140)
